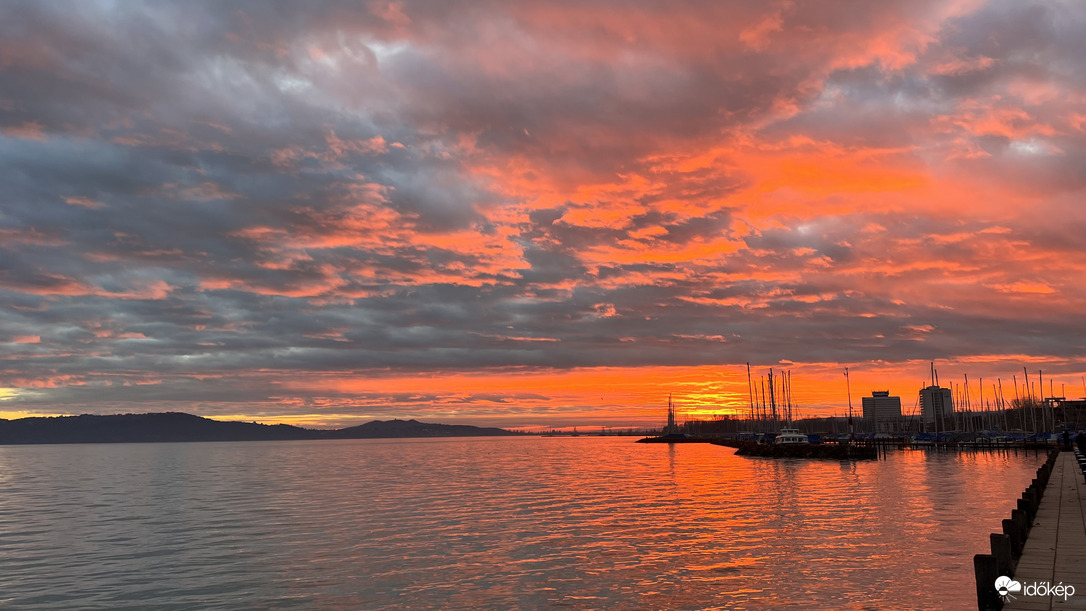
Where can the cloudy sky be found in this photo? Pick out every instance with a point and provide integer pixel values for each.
(537, 213)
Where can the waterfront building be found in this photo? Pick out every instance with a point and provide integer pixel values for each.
(936, 403)
(881, 411)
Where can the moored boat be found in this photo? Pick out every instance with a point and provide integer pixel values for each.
(790, 437)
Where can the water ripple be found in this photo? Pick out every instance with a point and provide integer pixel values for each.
(577, 523)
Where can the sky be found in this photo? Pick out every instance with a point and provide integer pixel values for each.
(537, 213)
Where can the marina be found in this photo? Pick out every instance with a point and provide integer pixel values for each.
(949, 418)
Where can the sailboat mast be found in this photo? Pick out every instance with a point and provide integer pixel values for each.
(772, 397)
(1041, 396)
(969, 408)
(985, 417)
(750, 391)
(851, 428)
(788, 395)
(670, 416)
(765, 418)
(1002, 405)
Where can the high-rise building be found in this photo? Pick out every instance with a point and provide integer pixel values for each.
(935, 403)
(881, 411)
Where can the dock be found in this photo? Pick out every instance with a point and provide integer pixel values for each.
(674, 439)
(1055, 551)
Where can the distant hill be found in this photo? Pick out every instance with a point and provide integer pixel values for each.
(414, 428)
(169, 426)
(175, 426)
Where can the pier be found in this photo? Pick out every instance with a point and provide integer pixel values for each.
(1054, 552)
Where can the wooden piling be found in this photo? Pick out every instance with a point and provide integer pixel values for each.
(986, 572)
(1015, 535)
(1025, 507)
(1001, 550)
(1022, 520)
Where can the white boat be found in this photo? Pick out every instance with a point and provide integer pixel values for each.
(790, 436)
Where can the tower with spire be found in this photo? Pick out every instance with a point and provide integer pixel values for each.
(672, 428)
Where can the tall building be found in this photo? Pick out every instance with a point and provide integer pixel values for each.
(935, 402)
(881, 411)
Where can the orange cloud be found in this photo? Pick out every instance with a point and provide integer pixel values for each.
(31, 130)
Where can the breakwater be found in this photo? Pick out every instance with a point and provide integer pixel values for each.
(801, 450)
(1007, 547)
(674, 439)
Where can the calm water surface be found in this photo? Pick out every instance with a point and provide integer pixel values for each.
(576, 523)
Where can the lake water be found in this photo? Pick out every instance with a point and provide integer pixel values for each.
(504, 523)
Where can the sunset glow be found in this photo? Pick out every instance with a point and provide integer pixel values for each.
(535, 214)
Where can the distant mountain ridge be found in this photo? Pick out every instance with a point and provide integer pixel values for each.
(177, 426)
(414, 428)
